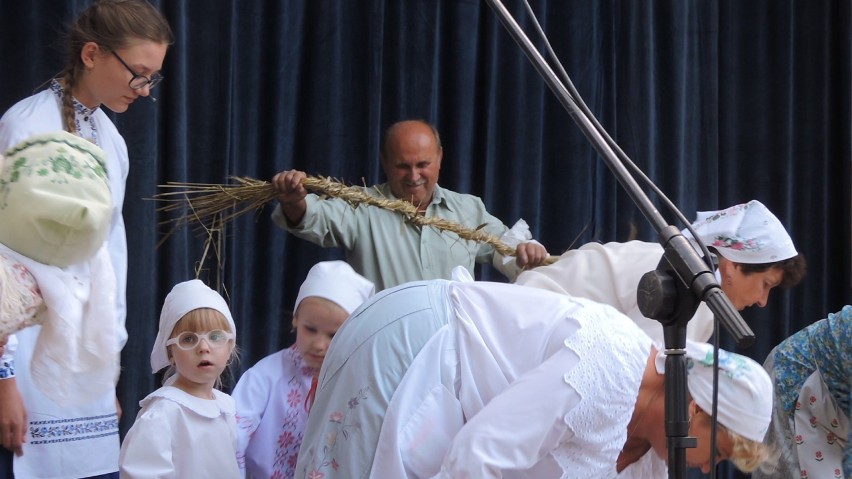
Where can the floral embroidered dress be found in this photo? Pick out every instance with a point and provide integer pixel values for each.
(271, 414)
(454, 379)
(811, 371)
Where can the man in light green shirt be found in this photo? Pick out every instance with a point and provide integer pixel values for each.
(379, 244)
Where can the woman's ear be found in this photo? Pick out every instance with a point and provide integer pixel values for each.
(88, 54)
(693, 408)
(727, 269)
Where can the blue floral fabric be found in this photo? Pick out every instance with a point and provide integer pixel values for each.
(824, 346)
(7, 368)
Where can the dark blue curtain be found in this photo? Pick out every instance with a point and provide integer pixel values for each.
(718, 101)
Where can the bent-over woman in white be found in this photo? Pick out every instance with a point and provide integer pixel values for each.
(474, 379)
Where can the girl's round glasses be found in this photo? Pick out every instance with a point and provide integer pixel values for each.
(188, 340)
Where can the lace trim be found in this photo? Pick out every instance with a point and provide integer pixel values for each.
(606, 379)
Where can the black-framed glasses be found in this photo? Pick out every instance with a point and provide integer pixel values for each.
(139, 81)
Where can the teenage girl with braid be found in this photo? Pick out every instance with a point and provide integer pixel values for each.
(115, 52)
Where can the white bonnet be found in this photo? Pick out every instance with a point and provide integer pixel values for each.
(54, 189)
(337, 282)
(747, 233)
(745, 389)
(183, 298)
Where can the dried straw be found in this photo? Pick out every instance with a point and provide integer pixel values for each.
(227, 202)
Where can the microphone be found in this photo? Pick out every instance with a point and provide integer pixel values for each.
(153, 98)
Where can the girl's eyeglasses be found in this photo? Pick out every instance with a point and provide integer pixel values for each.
(139, 81)
(188, 340)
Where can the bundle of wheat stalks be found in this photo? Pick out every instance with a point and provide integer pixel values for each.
(202, 203)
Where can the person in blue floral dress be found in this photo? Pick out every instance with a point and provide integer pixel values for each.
(811, 372)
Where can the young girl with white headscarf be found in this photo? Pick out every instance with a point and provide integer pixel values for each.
(187, 427)
(274, 396)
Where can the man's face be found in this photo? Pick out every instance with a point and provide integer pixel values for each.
(412, 163)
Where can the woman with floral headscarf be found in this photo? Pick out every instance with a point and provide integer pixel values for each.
(755, 254)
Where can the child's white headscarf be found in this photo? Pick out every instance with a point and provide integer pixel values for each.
(183, 298)
(337, 282)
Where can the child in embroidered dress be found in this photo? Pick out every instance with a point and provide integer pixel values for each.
(273, 397)
(187, 427)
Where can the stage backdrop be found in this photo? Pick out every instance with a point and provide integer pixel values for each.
(718, 101)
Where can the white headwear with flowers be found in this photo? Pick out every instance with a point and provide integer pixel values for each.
(745, 389)
(746, 233)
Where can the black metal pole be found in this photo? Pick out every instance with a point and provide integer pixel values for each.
(684, 260)
(681, 263)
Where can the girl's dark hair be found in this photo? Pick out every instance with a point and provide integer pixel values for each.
(113, 25)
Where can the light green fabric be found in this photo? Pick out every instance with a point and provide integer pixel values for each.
(55, 201)
(385, 249)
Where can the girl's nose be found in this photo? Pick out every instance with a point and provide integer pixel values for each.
(203, 345)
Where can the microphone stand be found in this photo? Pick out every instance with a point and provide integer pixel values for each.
(672, 292)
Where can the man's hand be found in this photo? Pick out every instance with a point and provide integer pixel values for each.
(530, 255)
(13, 417)
(291, 194)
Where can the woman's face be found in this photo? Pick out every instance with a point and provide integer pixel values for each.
(746, 290)
(316, 322)
(106, 81)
